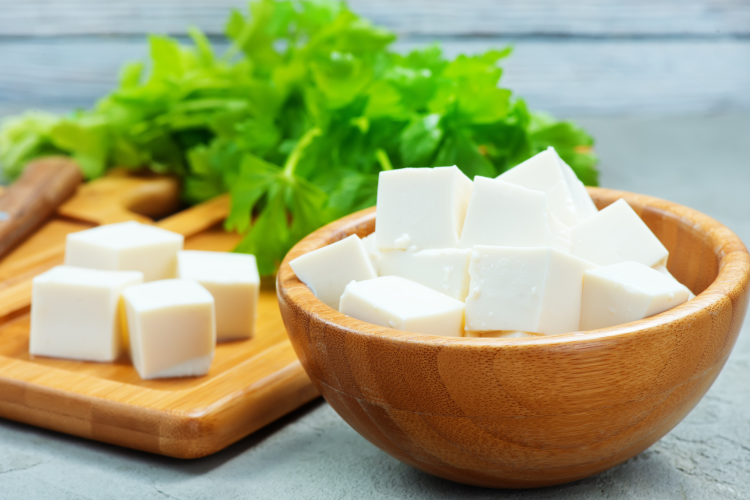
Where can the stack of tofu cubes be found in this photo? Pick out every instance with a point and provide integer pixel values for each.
(131, 286)
(524, 254)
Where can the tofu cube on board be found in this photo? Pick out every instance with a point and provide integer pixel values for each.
(567, 198)
(328, 270)
(504, 214)
(421, 208)
(75, 313)
(234, 282)
(536, 290)
(625, 292)
(126, 246)
(172, 328)
(616, 234)
(395, 302)
(445, 270)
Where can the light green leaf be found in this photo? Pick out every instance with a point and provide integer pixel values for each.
(166, 57)
(87, 141)
(306, 203)
(24, 138)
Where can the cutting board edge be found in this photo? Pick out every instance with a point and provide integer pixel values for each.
(174, 433)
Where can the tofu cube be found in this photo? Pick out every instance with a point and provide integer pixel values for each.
(562, 237)
(395, 302)
(585, 206)
(172, 328)
(421, 208)
(75, 313)
(329, 269)
(567, 198)
(234, 282)
(504, 214)
(126, 246)
(663, 269)
(445, 270)
(625, 292)
(536, 290)
(373, 251)
(616, 234)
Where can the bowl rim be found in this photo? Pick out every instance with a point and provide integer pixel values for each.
(733, 275)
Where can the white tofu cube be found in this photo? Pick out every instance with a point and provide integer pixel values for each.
(445, 270)
(395, 302)
(233, 280)
(421, 208)
(373, 251)
(126, 246)
(536, 290)
(75, 313)
(663, 269)
(585, 206)
(329, 269)
(625, 292)
(504, 214)
(562, 237)
(172, 328)
(567, 198)
(616, 234)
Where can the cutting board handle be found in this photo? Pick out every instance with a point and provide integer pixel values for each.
(44, 185)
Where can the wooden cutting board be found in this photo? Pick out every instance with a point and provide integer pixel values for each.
(251, 383)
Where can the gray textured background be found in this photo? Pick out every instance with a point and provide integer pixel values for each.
(663, 85)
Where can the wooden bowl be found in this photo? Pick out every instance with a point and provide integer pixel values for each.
(521, 413)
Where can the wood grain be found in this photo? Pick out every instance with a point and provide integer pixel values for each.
(520, 413)
(445, 17)
(562, 76)
(572, 59)
(250, 383)
(34, 197)
(120, 197)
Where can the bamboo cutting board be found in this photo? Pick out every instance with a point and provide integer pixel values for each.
(251, 383)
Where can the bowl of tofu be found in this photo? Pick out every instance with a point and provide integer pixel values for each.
(515, 332)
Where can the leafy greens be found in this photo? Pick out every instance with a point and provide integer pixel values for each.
(297, 119)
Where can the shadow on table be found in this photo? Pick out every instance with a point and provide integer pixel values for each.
(175, 465)
(378, 473)
(628, 480)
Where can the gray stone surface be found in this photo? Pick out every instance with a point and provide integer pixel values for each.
(699, 161)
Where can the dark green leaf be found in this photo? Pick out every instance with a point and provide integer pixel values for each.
(255, 178)
(355, 191)
(269, 236)
(419, 141)
(458, 149)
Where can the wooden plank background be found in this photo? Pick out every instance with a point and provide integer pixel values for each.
(574, 58)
